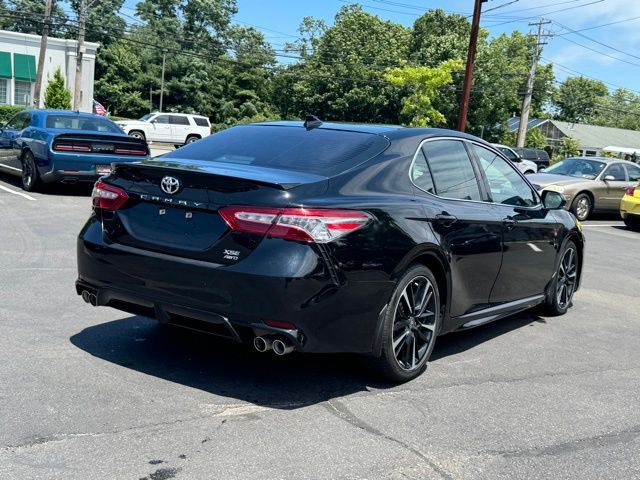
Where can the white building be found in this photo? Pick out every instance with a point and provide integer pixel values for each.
(19, 56)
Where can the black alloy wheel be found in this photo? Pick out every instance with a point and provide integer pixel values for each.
(565, 283)
(412, 321)
(30, 176)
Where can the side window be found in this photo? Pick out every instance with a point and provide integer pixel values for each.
(161, 119)
(421, 175)
(617, 172)
(201, 122)
(452, 171)
(505, 184)
(178, 120)
(634, 173)
(19, 122)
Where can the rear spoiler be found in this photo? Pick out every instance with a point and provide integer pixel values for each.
(272, 177)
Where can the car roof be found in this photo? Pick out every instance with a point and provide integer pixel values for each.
(179, 114)
(74, 113)
(606, 160)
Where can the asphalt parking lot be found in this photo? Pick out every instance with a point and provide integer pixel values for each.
(90, 393)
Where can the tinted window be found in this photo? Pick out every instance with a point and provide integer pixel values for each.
(178, 120)
(505, 184)
(201, 122)
(72, 122)
(452, 171)
(617, 172)
(161, 119)
(19, 122)
(421, 175)
(320, 151)
(509, 154)
(146, 117)
(577, 167)
(634, 172)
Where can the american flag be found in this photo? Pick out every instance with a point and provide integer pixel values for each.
(98, 109)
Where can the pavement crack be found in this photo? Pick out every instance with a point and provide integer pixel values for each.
(340, 411)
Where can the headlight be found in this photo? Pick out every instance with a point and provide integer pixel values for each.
(554, 188)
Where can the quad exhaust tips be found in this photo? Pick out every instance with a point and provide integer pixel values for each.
(89, 297)
(280, 345)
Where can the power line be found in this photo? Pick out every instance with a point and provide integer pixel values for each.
(601, 53)
(545, 13)
(600, 26)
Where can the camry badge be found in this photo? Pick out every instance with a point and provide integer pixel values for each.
(170, 185)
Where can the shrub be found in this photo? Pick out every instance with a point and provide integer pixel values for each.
(57, 95)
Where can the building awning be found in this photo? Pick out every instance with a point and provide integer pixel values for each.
(5, 65)
(24, 67)
(627, 151)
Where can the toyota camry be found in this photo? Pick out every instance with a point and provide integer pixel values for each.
(326, 237)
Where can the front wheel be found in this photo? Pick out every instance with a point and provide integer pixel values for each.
(31, 181)
(565, 282)
(191, 139)
(581, 206)
(411, 323)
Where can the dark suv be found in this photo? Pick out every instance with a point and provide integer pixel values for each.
(537, 155)
(329, 238)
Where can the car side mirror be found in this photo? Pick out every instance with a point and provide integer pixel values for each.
(553, 200)
(609, 178)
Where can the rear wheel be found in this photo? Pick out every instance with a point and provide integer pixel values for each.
(565, 281)
(581, 206)
(410, 326)
(31, 181)
(632, 223)
(137, 134)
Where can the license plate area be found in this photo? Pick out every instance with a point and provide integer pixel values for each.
(103, 169)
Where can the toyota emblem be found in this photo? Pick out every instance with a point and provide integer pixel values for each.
(170, 185)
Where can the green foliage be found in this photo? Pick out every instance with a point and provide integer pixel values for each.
(423, 84)
(535, 138)
(620, 110)
(26, 12)
(569, 147)
(7, 112)
(577, 98)
(56, 95)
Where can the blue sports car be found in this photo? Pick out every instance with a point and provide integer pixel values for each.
(44, 146)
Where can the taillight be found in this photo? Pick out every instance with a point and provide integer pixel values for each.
(129, 151)
(630, 191)
(107, 196)
(70, 147)
(303, 224)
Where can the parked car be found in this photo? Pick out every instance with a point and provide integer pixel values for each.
(177, 128)
(326, 237)
(525, 166)
(630, 207)
(594, 184)
(45, 146)
(537, 155)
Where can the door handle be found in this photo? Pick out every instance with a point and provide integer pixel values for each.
(446, 219)
(509, 222)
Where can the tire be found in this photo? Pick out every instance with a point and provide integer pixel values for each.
(529, 172)
(632, 223)
(410, 323)
(176, 146)
(137, 134)
(565, 280)
(582, 206)
(191, 139)
(31, 181)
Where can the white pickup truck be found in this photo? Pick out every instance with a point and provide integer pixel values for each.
(176, 128)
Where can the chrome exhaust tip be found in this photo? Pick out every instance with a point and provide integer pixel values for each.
(85, 296)
(262, 344)
(282, 347)
(93, 299)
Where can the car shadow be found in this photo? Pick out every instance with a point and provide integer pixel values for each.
(227, 369)
(59, 189)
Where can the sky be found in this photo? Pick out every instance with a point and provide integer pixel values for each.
(608, 53)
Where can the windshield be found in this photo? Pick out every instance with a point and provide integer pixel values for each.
(508, 153)
(74, 122)
(146, 117)
(577, 167)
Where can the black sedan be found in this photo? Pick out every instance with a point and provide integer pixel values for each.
(329, 238)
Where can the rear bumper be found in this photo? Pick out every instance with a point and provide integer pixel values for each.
(629, 207)
(330, 316)
(73, 168)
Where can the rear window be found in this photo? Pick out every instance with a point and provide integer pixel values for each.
(72, 122)
(318, 151)
(201, 122)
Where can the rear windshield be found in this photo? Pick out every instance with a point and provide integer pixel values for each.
(318, 151)
(71, 122)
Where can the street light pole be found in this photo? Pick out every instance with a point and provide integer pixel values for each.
(471, 58)
(164, 55)
(37, 91)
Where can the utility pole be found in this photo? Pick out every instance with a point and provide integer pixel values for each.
(471, 58)
(37, 91)
(526, 103)
(164, 56)
(77, 88)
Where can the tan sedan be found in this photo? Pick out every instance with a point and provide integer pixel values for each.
(589, 184)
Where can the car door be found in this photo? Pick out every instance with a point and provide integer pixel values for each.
(9, 149)
(615, 183)
(529, 231)
(160, 130)
(180, 128)
(468, 231)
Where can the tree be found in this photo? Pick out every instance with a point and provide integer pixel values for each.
(620, 109)
(26, 16)
(423, 84)
(569, 147)
(578, 97)
(535, 138)
(56, 95)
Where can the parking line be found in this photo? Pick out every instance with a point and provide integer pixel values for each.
(28, 197)
(604, 225)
